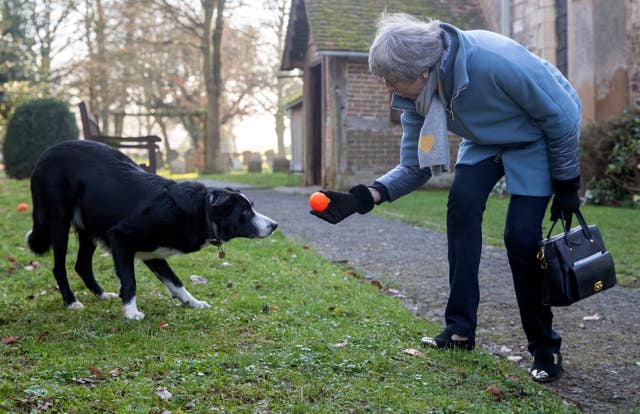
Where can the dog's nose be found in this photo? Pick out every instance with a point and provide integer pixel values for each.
(273, 225)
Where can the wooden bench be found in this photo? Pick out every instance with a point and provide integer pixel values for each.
(91, 131)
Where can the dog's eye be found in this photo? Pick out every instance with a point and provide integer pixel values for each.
(246, 212)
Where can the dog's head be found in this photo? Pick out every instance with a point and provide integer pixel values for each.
(231, 214)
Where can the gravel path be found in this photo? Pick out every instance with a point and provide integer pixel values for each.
(601, 335)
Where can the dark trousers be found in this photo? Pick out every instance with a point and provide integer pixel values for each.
(468, 195)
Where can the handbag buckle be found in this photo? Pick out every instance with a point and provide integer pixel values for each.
(597, 287)
(540, 257)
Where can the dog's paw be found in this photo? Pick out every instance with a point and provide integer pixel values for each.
(130, 311)
(198, 304)
(75, 305)
(133, 314)
(108, 295)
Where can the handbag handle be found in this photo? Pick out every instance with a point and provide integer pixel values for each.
(566, 226)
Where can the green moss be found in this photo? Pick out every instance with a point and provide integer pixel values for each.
(350, 25)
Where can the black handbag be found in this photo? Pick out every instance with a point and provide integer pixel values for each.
(576, 264)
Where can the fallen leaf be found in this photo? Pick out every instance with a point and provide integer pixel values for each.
(306, 247)
(163, 325)
(505, 349)
(35, 264)
(83, 381)
(198, 280)
(594, 317)
(45, 404)
(163, 393)
(224, 301)
(115, 372)
(414, 352)
(265, 309)
(376, 284)
(395, 293)
(96, 372)
(28, 268)
(11, 258)
(514, 358)
(495, 391)
(275, 307)
(341, 344)
(8, 340)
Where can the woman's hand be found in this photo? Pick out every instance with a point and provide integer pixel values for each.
(566, 200)
(341, 205)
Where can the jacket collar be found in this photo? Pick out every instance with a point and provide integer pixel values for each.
(455, 62)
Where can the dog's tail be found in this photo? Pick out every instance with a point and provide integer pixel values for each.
(39, 238)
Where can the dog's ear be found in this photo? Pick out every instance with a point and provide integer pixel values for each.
(220, 203)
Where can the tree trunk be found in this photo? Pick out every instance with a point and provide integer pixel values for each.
(212, 43)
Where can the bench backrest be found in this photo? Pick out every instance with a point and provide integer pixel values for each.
(90, 126)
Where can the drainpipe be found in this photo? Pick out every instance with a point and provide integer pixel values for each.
(505, 17)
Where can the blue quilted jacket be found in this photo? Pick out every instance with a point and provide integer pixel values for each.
(501, 99)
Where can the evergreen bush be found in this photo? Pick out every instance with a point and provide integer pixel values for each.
(35, 126)
(611, 161)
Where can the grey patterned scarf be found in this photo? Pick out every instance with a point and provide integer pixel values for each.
(433, 146)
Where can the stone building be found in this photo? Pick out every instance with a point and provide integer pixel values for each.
(349, 134)
(595, 43)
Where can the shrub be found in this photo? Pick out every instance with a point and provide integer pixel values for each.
(35, 126)
(611, 161)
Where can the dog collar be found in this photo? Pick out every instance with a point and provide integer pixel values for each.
(213, 232)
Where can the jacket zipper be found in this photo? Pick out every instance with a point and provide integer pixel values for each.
(459, 121)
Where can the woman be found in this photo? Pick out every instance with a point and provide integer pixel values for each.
(518, 118)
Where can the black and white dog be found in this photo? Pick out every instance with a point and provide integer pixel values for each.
(108, 199)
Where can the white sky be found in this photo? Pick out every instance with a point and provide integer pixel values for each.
(257, 132)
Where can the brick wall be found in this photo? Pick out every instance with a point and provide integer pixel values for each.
(371, 139)
(366, 95)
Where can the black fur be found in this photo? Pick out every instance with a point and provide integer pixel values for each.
(106, 197)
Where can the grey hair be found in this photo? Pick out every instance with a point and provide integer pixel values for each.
(404, 47)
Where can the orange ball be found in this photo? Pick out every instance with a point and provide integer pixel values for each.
(23, 207)
(318, 201)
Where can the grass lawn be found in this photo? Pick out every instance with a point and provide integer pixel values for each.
(287, 332)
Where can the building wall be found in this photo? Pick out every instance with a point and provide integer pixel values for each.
(371, 141)
(633, 30)
(603, 47)
(533, 25)
(598, 56)
(296, 116)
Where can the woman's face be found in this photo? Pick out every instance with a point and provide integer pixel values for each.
(407, 89)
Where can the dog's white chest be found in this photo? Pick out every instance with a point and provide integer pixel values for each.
(159, 253)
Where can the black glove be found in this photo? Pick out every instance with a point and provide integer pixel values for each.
(566, 200)
(342, 205)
